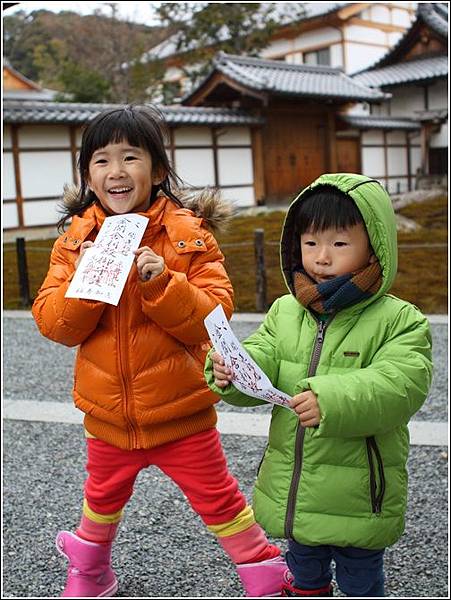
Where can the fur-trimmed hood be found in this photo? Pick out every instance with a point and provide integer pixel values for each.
(206, 204)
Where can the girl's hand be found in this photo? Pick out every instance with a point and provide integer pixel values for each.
(83, 248)
(223, 375)
(306, 406)
(149, 264)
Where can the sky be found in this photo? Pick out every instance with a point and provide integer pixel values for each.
(139, 12)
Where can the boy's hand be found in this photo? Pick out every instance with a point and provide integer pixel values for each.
(83, 248)
(223, 375)
(149, 264)
(306, 406)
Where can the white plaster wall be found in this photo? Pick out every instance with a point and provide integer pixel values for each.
(44, 136)
(380, 13)
(234, 135)
(10, 217)
(401, 17)
(357, 33)
(397, 185)
(316, 38)
(393, 37)
(8, 179)
(406, 100)
(382, 109)
(396, 137)
(44, 173)
(235, 166)
(277, 47)
(372, 136)
(336, 55)
(396, 161)
(373, 162)
(360, 56)
(242, 197)
(440, 140)
(7, 142)
(195, 166)
(415, 159)
(42, 212)
(295, 58)
(438, 95)
(192, 136)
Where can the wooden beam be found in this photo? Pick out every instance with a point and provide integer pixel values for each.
(425, 137)
(257, 164)
(73, 152)
(214, 141)
(331, 143)
(388, 28)
(16, 161)
(352, 9)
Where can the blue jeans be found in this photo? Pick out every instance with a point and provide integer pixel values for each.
(359, 572)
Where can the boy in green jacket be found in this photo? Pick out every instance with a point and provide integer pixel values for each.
(357, 363)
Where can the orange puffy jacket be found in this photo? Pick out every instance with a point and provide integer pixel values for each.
(139, 367)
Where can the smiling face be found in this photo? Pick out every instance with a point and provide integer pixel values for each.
(332, 252)
(120, 175)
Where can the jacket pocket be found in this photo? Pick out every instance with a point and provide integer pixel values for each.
(377, 481)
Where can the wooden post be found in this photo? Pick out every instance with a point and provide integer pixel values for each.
(258, 166)
(17, 174)
(24, 285)
(260, 271)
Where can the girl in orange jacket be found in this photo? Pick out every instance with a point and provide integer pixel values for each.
(139, 367)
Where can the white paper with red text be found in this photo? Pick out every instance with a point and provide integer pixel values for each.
(247, 375)
(104, 267)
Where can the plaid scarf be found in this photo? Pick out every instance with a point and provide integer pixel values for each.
(339, 292)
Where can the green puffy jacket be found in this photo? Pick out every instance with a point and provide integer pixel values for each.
(344, 482)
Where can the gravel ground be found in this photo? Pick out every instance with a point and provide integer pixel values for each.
(49, 368)
(163, 550)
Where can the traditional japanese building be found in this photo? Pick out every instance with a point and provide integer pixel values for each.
(299, 105)
(415, 74)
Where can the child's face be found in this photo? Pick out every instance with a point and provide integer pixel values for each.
(330, 253)
(120, 175)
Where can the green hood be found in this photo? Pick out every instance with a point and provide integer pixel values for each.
(376, 208)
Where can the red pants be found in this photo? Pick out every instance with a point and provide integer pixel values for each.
(196, 464)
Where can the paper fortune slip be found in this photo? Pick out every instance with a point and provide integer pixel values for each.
(104, 267)
(247, 375)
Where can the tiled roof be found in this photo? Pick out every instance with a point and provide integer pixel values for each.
(376, 122)
(69, 112)
(279, 77)
(435, 14)
(405, 72)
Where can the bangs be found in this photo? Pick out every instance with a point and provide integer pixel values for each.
(327, 208)
(114, 128)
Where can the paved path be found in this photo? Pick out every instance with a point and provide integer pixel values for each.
(162, 549)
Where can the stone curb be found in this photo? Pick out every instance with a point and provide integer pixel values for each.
(422, 433)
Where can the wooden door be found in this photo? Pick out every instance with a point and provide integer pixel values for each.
(294, 152)
(348, 155)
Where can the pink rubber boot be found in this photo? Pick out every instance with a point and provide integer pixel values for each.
(263, 579)
(89, 574)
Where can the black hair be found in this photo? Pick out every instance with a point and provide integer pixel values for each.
(326, 207)
(140, 126)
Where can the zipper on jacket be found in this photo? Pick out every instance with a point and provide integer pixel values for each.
(376, 498)
(300, 433)
(122, 349)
